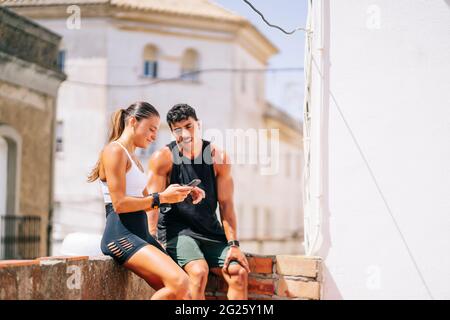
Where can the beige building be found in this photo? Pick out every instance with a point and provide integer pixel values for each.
(120, 51)
(29, 80)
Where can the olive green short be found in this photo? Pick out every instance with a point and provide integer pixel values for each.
(184, 249)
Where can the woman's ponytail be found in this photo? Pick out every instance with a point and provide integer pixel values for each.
(140, 110)
(118, 124)
(117, 127)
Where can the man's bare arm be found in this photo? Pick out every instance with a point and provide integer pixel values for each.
(225, 189)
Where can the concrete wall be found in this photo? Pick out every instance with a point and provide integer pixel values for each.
(100, 278)
(385, 67)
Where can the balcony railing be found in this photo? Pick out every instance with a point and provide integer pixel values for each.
(20, 237)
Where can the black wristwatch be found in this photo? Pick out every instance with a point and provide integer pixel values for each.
(233, 243)
(155, 203)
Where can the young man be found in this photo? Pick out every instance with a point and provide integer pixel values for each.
(192, 234)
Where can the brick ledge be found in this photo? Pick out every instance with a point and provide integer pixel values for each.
(272, 277)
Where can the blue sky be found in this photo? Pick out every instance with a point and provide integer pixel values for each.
(285, 90)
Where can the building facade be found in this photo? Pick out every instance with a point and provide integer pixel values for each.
(29, 81)
(118, 52)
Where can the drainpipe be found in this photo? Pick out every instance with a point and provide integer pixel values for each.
(52, 175)
(313, 130)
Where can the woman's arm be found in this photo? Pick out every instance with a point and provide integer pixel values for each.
(152, 218)
(159, 166)
(114, 162)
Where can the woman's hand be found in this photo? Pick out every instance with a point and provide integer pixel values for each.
(197, 195)
(174, 193)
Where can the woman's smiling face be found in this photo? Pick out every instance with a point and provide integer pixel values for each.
(145, 131)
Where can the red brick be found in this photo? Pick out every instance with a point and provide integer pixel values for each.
(260, 264)
(298, 289)
(260, 286)
(17, 263)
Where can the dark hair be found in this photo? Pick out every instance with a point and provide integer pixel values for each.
(140, 110)
(180, 112)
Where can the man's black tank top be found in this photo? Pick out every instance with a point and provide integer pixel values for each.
(198, 221)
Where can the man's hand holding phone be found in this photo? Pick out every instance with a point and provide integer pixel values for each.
(197, 194)
(174, 193)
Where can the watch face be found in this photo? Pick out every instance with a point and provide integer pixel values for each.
(155, 199)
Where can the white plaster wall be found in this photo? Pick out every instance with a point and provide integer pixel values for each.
(386, 68)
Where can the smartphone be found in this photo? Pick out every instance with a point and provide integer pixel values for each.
(194, 183)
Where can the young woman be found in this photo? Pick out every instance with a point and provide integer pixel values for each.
(126, 237)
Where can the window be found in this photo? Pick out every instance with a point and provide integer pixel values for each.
(190, 65)
(61, 60)
(150, 61)
(10, 151)
(151, 69)
(59, 136)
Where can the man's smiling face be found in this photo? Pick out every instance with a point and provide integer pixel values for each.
(186, 133)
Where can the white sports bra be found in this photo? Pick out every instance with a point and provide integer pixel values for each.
(135, 179)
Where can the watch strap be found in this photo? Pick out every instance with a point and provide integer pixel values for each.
(233, 243)
(155, 203)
